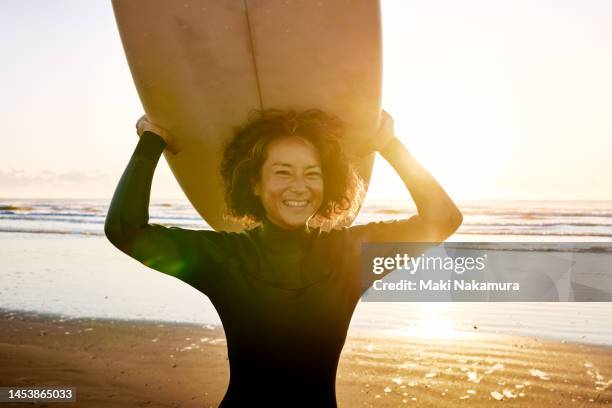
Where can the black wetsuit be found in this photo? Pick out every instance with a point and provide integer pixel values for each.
(285, 297)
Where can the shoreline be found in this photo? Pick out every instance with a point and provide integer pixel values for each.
(126, 363)
(375, 332)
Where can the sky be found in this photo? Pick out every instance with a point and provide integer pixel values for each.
(497, 99)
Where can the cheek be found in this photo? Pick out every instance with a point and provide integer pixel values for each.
(273, 189)
(275, 186)
(318, 190)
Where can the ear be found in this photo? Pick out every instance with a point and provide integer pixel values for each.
(256, 187)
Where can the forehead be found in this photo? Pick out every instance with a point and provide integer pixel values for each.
(293, 150)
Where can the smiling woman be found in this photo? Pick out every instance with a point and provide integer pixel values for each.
(291, 167)
(285, 291)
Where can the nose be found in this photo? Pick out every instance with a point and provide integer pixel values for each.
(298, 186)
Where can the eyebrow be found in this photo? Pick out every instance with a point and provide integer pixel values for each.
(289, 165)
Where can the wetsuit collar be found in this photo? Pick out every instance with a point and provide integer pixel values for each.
(283, 256)
(272, 232)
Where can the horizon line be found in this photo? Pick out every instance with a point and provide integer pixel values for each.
(373, 199)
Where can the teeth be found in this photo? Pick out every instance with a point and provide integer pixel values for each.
(293, 203)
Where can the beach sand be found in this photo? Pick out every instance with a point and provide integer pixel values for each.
(151, 364)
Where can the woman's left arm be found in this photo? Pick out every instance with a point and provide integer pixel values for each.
(438, 216)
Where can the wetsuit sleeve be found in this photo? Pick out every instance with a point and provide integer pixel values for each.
(189, 255)
(410, 230)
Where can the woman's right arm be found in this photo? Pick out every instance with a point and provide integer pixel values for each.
(185, 254)
(129, 209)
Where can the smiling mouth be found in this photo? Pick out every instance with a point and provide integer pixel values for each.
(296, 203)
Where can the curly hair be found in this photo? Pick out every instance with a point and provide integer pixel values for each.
(245, 154)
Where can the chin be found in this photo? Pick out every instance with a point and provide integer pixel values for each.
(293, 219)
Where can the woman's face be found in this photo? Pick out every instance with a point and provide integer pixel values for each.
(291, 185)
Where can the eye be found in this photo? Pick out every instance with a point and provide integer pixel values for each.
(282, 172)
(313, 174)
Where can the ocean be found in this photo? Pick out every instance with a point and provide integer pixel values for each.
(580, 221)
(54, 258)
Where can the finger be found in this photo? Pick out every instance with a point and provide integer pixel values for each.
(172, 148)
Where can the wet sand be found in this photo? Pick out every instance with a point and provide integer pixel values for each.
(137, 363)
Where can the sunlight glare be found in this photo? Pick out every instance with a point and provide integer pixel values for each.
(433, 324)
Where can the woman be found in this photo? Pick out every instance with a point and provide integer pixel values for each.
(285, 291)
